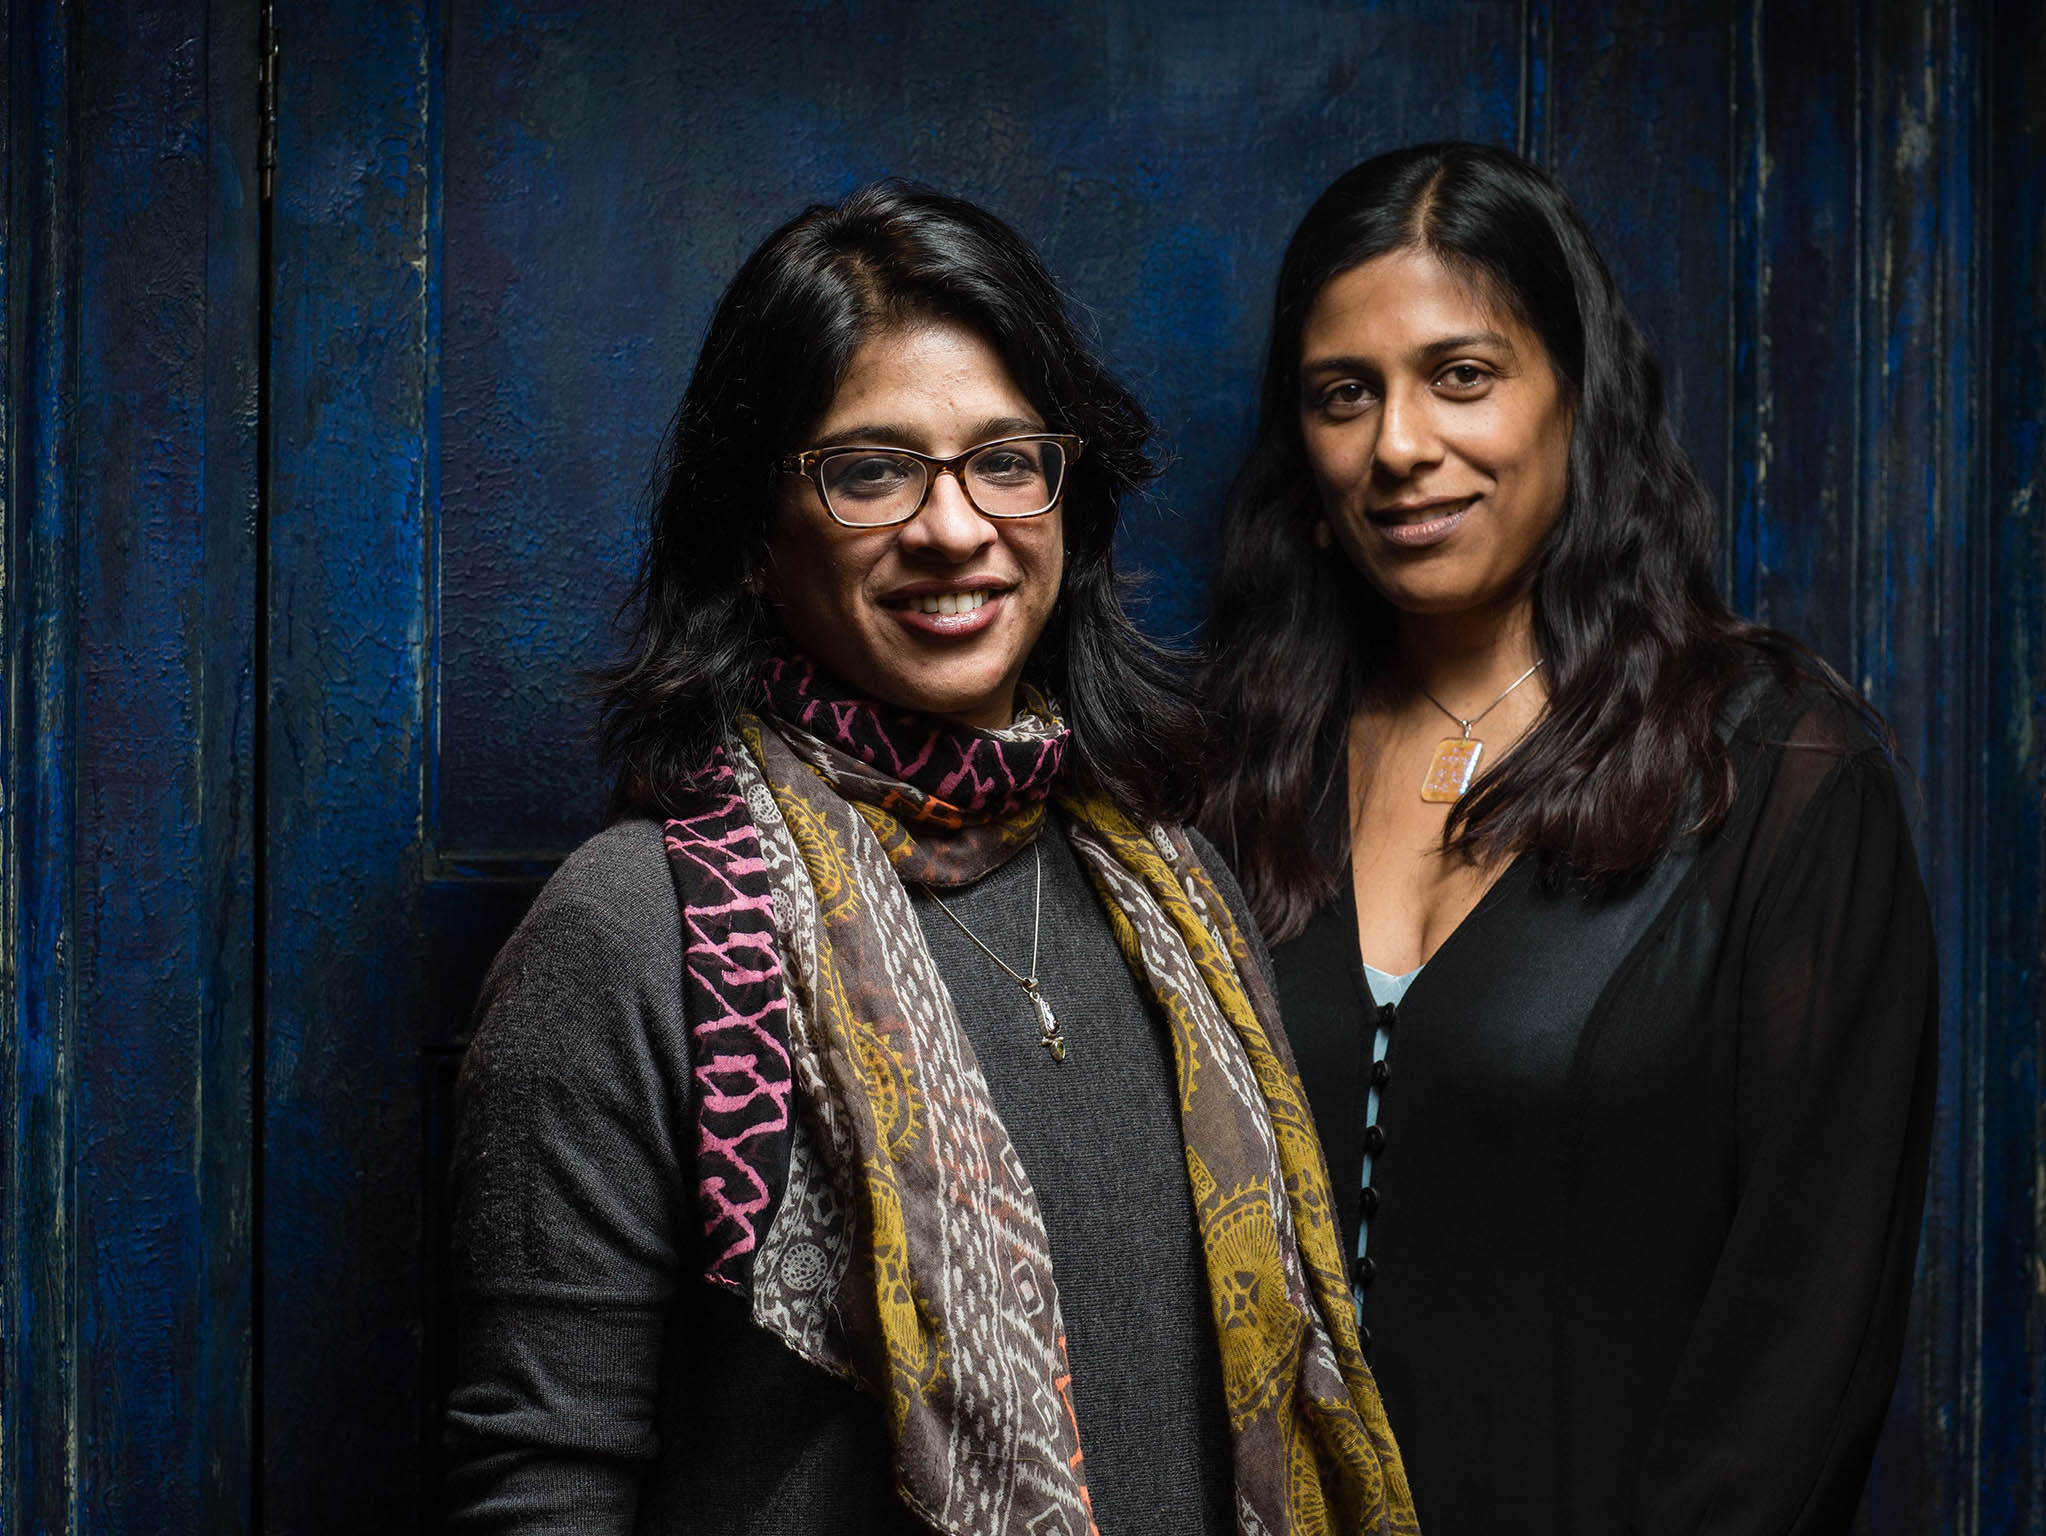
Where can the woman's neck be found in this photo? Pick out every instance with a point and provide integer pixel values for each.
(1466, 659)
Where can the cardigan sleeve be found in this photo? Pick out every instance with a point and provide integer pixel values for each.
(1771, 1422)
(567, 1198)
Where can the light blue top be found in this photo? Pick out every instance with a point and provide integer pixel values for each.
(1385, 988)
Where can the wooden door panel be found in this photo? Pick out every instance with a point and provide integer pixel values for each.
(128, 846)
(349, 647)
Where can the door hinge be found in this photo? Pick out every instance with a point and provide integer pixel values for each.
(266, 144)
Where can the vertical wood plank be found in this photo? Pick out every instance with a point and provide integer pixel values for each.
(129, 433)
(166, 302)
(1666, 75)
(1744, 478)
(2007, 641)
(1914, 581)
(1535, 130)
(1855, 461)
(39, 1471)
(347, 647)
(223, 1456)
(1797, 562)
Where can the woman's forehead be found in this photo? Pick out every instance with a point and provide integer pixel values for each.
(1409, 305)
(932, 376)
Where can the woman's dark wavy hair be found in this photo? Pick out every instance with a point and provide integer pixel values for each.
(779, 343)
(1641, 652)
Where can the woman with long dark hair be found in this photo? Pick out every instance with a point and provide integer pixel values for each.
(1599, 933)
(884, 1125)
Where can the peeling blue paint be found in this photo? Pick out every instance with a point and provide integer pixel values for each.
(125, 1325)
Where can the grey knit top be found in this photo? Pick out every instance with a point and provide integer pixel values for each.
(603, 1387)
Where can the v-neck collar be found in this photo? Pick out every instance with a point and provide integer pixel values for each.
(1337, 805)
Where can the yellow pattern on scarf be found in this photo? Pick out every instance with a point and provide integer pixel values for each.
(1334, 1448)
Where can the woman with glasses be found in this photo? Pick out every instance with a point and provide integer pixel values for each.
(1598, 929)
(884, 1125)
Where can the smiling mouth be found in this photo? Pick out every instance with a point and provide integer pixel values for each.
(955, 613)
(1423, 512)
(1421, 525)
(946, 603)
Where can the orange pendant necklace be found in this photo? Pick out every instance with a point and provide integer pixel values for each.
(1456, 757)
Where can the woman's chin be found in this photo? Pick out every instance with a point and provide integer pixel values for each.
(968, 690)
(1439, 594)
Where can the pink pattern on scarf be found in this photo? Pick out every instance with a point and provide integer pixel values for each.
(737, 1005)
(984, 775)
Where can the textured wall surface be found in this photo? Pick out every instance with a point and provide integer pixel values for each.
(352, 464)
(316, 519)
(126, 1167)
(601, 179)
(1999, 1353)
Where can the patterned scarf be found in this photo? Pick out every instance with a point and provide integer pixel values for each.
(885, 1229)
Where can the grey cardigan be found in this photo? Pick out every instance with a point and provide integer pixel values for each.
(603, 1387)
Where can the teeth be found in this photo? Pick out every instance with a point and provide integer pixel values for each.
(948, 602)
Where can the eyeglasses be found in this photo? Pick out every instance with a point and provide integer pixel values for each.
(880, 487)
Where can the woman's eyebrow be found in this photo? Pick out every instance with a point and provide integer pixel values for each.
(1336, 365)
(1494, 340)
(1004, 426)
(873, 432)
(1441, 347)
(882, 435)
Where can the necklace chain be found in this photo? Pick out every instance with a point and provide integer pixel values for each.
(1465, 725)
(1037, 912)
(1053, 1039)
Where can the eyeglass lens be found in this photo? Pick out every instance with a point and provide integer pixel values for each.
(871, 485)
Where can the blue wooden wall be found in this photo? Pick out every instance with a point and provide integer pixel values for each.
(315, 513)
(128, 846)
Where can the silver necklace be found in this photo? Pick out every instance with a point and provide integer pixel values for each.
(1053, 1039)
(1456, 757)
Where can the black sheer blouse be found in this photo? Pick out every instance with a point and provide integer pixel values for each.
(1650, 1168)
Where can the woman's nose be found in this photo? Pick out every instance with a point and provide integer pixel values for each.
(949, 526)
(1407, 437)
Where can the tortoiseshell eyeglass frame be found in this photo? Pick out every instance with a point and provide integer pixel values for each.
(807, 462)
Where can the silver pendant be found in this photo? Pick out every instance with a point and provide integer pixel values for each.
(1053, 1040)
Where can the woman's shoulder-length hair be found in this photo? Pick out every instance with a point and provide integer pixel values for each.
(779, 342)
(1641, 652)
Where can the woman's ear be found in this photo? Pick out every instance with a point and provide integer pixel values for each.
(1324, 536)
(759, 578)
